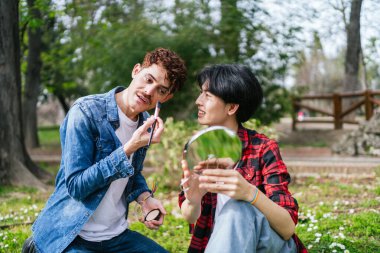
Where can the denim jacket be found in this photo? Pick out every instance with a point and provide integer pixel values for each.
(92, 157)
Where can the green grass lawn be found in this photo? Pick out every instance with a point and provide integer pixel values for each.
(335, 216)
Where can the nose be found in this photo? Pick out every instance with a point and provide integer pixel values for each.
(149, 90)
(199, 100)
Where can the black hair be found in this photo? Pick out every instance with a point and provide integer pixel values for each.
(233, 83)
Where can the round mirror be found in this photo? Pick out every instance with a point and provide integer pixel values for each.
(215, 143)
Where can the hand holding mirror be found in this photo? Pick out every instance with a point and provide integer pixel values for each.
(215, 146)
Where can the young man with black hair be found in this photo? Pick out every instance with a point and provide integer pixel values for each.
(104, 142)
(249, 208)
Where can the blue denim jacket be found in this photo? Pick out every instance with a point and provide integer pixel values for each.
(92, 157)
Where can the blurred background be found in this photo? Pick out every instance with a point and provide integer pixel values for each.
(318, 62)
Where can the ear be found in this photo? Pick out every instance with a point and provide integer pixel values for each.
(169, 96)
(136, 70)
(232, 109)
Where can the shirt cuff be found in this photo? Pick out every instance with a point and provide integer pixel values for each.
(121, 163)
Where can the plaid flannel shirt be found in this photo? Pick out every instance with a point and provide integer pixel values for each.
(261, 165)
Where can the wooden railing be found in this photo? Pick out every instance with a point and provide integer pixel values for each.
(363, 98)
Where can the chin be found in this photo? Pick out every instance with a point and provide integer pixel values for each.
(202, 121)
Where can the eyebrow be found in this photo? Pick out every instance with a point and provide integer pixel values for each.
(161, 85)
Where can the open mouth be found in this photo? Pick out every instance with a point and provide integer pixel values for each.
(201, 113)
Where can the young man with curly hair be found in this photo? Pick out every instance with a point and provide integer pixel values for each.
(104, 142)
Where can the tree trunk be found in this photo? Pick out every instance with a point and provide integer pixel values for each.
(15, 163)
(352, 60)
(33, 79)
(230, 23)
(62, 101)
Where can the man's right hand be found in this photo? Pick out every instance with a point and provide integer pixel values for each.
(141, 136)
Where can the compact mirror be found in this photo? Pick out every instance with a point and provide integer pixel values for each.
(216, 142)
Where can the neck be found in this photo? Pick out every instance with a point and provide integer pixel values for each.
(231, 124)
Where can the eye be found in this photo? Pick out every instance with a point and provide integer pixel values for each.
(148, 79)
(162, 91)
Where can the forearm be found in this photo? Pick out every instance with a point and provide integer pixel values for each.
(277, 216)
(82, 180)
(191, 211)
(139, 187)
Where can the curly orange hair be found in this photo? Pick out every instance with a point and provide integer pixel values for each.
(173, 64)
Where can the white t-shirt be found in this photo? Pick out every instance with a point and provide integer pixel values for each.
(220, 202)
(109, 219)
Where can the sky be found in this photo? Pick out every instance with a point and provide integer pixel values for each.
(320, 16)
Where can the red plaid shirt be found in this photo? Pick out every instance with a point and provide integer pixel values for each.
(261, 165)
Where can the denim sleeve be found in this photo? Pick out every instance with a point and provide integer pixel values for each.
(82, 176)
(139, 186)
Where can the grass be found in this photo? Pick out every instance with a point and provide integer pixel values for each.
(49, 136)
(335, 216)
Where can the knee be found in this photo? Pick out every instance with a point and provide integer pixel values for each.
(235, 209)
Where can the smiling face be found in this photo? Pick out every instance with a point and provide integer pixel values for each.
(213, 111)
(148, 86)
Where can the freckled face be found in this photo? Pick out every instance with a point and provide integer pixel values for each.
(212, 110)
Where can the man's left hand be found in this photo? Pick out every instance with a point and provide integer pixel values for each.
(150, 204)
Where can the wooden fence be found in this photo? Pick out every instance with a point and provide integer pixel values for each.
(366, 98)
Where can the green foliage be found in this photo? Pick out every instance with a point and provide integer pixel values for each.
(275, 105)
(92, 47)
(176, 134)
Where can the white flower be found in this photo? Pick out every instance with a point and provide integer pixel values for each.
(346, 251)
(342, 235)
(321, 203)
(351, 211)
(326, 215)
(309, 229)
(341, 246)
(318, 234)
(310, 246)
(334, 251)
(332, 245)
(341, 228)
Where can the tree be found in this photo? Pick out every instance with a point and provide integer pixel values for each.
(32, 86)
(16, 166)
(351, 80)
